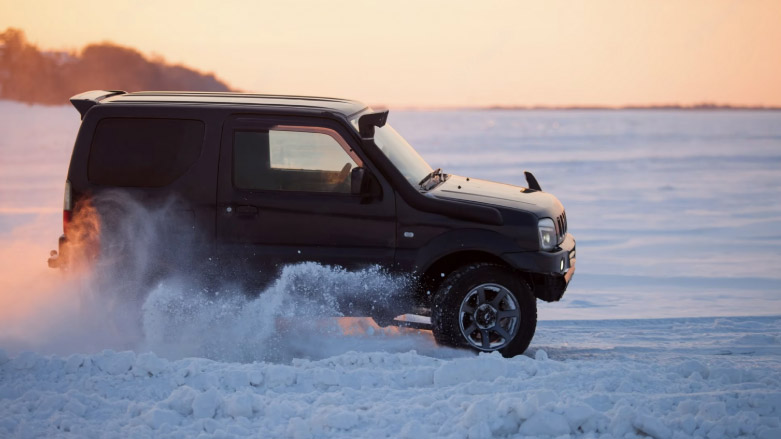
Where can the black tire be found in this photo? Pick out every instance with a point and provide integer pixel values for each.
(485, 307)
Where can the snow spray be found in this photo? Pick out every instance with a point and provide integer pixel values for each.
(136, 283)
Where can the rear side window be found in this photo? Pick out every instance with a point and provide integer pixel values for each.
(136, 152)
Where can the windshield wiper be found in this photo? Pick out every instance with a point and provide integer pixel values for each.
(430, 176)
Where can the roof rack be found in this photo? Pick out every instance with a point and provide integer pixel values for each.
(88, 99)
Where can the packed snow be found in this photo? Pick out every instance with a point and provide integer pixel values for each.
(670, 329)
(707, 377)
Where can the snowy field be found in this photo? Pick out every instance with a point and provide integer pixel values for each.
(670, 328)
(621, 378)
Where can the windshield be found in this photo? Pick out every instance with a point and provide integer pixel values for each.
(403, 156)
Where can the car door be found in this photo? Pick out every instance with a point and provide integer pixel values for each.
(284, 196)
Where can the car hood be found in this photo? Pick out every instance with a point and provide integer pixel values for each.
(486, 192)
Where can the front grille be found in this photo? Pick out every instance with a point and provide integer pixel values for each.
(561, 226)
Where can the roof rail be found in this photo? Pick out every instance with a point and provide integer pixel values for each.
(88, 99)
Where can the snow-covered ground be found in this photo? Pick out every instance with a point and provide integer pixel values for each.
(670, 328)
(622, 378)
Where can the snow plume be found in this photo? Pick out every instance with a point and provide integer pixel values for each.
(140, 279)
(290, 318)
(95, 304)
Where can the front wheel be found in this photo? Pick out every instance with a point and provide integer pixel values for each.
(485, 307)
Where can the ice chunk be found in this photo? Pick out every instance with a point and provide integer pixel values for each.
(74, 363)
(25, 360)
(544, 423)
(483, 368)
(75, 407)
(156, 418)
(115, 363)
(297, 428)
(238, 405)
(578, 414)
(181, 400)
(280, 376)
(235, 379)
(342, 419)
(712, 411)
(688, 368)
(205, 404)
(148, 364)
(652, 427)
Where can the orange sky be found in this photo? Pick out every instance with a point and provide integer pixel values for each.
(446, 53)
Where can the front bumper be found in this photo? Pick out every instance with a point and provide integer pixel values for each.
(551, 271)
(560, 262)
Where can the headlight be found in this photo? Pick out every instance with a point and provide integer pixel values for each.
(547, 234)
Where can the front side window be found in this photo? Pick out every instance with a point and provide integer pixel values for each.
(287, 158)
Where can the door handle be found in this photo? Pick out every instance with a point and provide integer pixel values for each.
(247, 210)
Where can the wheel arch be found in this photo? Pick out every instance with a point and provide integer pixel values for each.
(436, 272)
(457, 248)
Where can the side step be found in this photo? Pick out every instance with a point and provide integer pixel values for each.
(412, 321)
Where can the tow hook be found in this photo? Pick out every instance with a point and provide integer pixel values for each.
(54, 259)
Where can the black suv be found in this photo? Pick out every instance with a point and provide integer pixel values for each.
(274, 180)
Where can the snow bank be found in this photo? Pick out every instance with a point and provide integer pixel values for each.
(690, 385)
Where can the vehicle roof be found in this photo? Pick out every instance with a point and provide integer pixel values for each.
(345, 107)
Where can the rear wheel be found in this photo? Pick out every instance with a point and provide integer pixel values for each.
(485, 307)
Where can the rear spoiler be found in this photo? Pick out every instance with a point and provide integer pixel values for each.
(88, 99)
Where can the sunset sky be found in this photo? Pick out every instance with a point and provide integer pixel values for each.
(445, 53)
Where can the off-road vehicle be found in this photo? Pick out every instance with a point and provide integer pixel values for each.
(274, 180)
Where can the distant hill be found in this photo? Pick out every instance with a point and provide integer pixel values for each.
(30, 75)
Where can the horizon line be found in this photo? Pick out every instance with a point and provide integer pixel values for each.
(702, 106)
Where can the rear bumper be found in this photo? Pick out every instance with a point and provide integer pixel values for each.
(552, 271)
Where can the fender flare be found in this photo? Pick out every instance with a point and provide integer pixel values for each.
(463, 240)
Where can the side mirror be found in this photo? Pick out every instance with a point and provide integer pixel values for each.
(363, 183)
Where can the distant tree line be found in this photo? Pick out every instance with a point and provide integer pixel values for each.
(30, 75)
